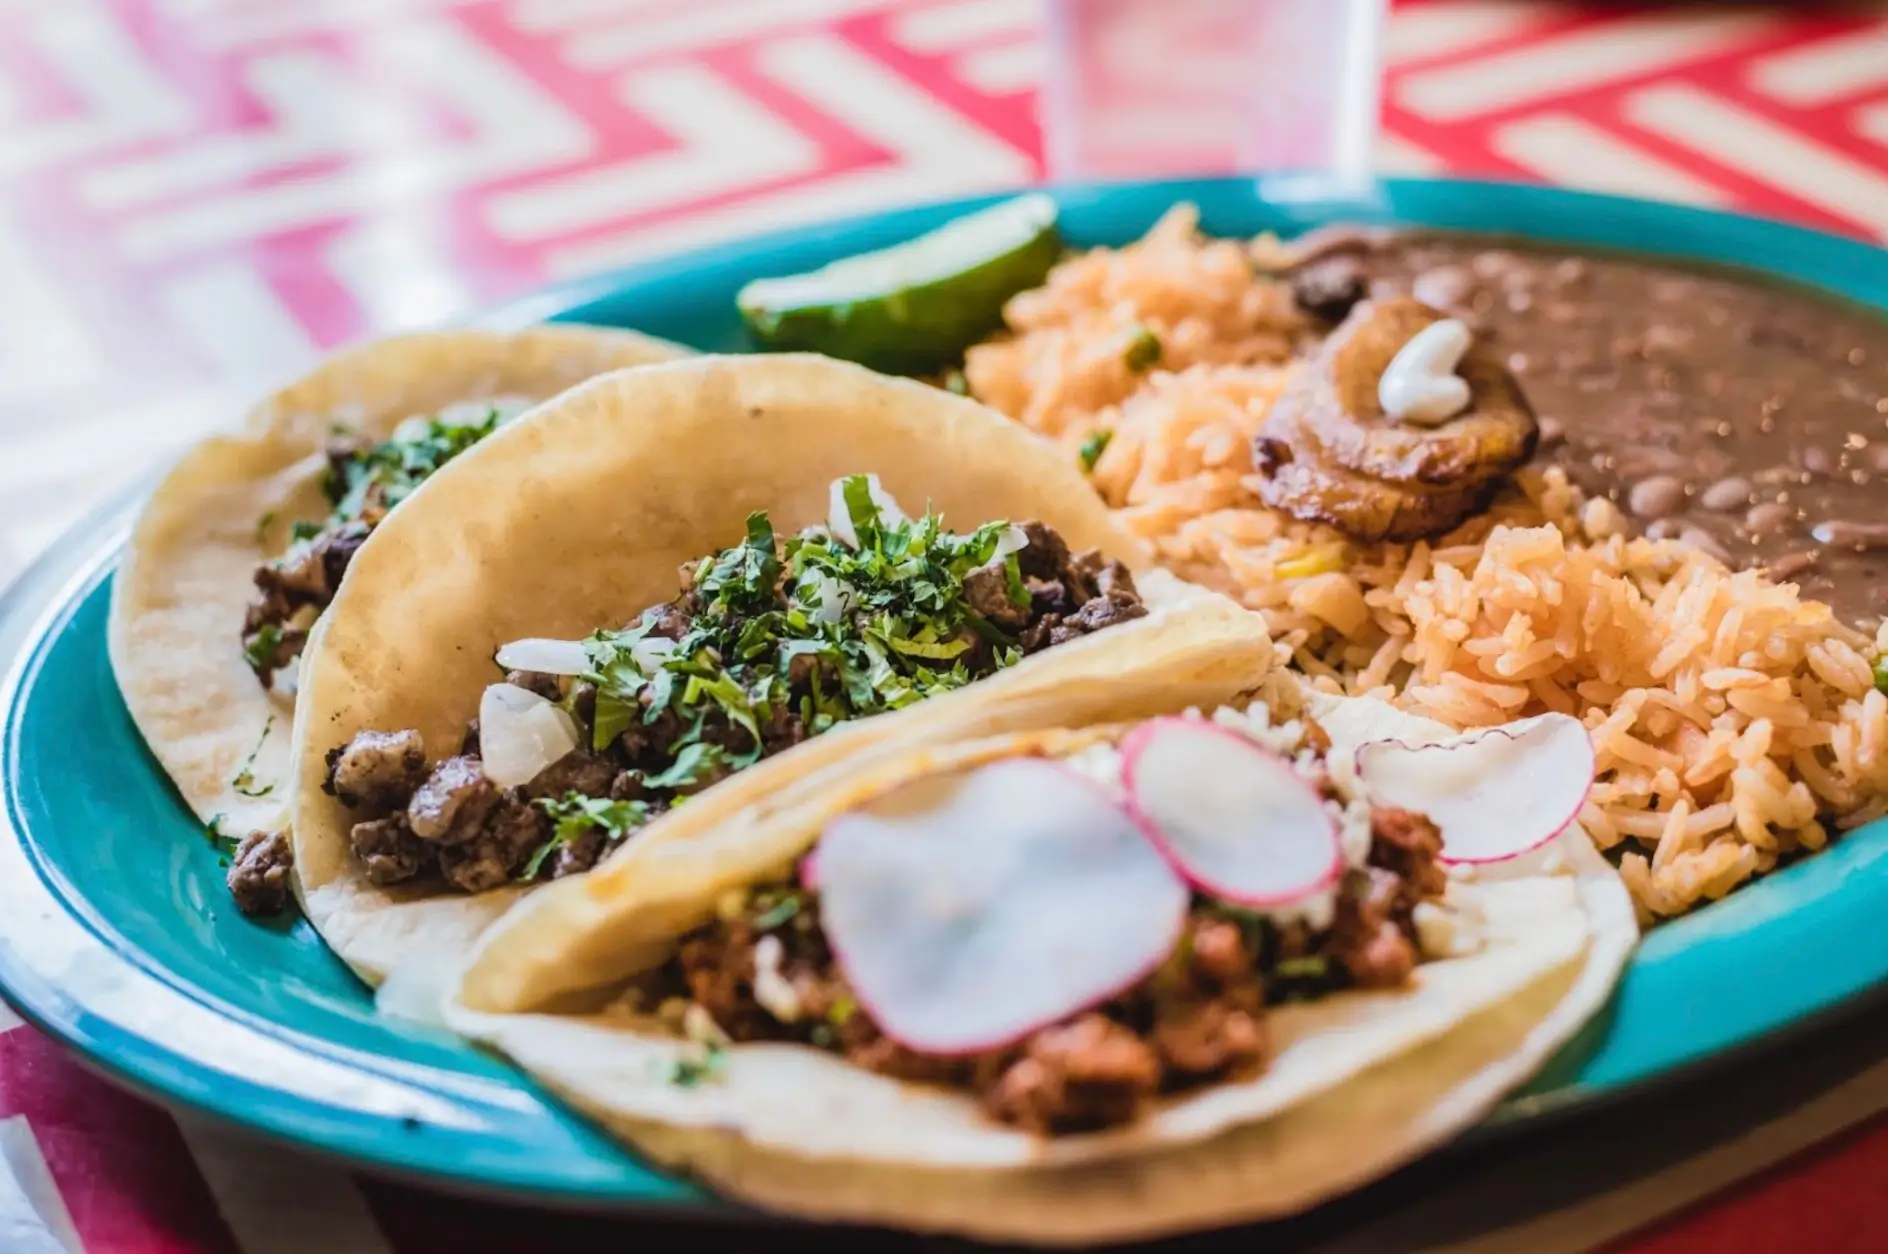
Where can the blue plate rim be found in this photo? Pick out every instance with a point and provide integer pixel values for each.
(44, 594)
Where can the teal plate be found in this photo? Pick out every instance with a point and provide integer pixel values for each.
(116, 935)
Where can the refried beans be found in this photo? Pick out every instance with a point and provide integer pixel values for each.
(1733, 412)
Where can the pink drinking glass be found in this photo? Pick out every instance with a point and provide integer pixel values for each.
(1137, 88)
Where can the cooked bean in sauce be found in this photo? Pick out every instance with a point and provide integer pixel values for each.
(1720, 409)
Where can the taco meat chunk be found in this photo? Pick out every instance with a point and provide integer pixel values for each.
(258, 873)
(762, 971)
(363, 481)
(766, 645)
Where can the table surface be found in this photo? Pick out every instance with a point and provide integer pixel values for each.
(197, 197)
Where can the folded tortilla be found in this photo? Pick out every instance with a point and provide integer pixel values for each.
(1359, 1083)
(577, 516)
(179, 596)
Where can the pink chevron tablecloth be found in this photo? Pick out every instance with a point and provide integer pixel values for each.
(198, 196)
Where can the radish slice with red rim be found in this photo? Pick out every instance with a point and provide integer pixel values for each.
(967, 911)
(1495, 793)
(1231, 815)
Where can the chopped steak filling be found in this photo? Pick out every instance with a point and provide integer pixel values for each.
(258, 873)
(1200, 1018)
(363, 481)
(766, 646)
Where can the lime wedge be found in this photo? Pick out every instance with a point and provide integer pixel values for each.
(916, 306)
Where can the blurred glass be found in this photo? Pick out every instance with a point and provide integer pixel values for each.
(1138, 88)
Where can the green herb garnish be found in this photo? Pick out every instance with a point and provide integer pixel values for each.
(387, 473)
(788, 637)
(778, 913)
(1310, 967)
(688, 1072)
(618, 679)
(220, 840)
(261, 650)
(1094, 446)
(303, 529)
(695, 763)
(575, 817)
(245, 781)
(742, 579)
(1142, 352)
(1881, 674)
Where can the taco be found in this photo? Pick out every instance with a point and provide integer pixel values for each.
(244, 541)
(675, 591)
(1083, 984)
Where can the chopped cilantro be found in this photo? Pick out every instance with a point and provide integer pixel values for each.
(743, 578)
(862, 510)
(303, 529)
(575, 816)
(220, 840)
(245, 781)
(618, 679)
(261, 650)
(385, 474)
(1313, 967)
(1094, 446)
(1142, 352)
(686, 1072)
(786, 637)
(778, 913)
(1881, 674)
(695, 763)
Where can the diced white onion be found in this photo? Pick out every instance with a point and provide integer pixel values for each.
(546, 657)
(1013, 540)
(411, 429)
(839, 518)
(287, 677)
(651, 652)
(771, 989)
(520, 733)
(700, 1026)
(836, 597)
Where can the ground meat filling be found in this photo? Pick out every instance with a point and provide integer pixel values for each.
(291, 590)
(1070, 595)
(363, 481)
(1200, 1018)
(446, 823)
(259, 871)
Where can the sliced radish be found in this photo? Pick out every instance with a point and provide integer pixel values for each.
(970, 910)
(546, 657)
(520, 733)
(1496, 793)
(839, 518)
(1232, 816)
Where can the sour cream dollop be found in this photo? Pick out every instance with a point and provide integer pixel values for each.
(1420, 385)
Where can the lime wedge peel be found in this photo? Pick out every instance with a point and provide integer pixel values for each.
(915, 306)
